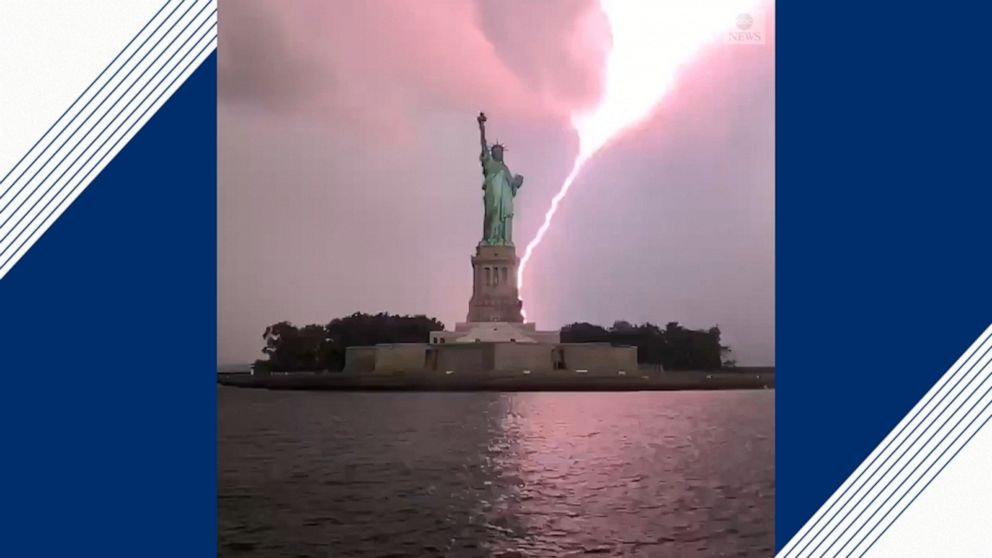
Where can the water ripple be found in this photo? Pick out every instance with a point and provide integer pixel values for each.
(679, 474)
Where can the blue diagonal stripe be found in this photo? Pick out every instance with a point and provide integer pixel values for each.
(54, 140)
(893, 475)
(858, 524)
(928, 399)
(95, 130)
(209, 47)
(74, 152)
(894, 460)
(85, 91)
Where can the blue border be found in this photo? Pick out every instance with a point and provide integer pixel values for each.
(109, 326)
(882, 228)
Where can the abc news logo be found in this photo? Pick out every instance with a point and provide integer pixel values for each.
(748, 29)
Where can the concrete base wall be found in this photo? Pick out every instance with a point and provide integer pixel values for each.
(626, 359)
(550, 337)
(463, 358)
(400, 357)
(485, 358)
(600, 357)
(523, 356)
(494, 332)
(359, 359)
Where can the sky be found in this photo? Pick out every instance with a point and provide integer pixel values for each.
(349, 180)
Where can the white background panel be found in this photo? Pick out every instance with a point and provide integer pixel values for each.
(953, 517)
(50, 51)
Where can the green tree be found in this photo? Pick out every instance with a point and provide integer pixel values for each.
(322, 347)
(583, 332)
(674, 347)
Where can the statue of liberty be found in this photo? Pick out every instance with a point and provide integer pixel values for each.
(499, 188)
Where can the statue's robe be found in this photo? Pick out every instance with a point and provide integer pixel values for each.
(498, 199)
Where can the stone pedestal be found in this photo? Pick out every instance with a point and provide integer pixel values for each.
(495, 332)
(494, 286)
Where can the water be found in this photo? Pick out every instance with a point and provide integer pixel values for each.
(655, 474)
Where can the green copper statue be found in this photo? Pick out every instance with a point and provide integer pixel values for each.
(499, 188)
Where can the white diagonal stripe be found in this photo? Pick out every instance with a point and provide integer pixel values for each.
(956, 502)
(901, 467)
(149, 69)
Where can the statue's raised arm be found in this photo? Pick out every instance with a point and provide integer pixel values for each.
(500, 187)
(482, 135)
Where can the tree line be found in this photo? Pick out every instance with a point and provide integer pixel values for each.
(674, 347)
(316, 347)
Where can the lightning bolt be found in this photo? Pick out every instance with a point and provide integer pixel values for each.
(652, 39)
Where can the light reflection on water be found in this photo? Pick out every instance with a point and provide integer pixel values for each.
(490, 474)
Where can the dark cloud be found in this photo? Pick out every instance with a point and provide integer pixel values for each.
(256, 60)
(557, 48)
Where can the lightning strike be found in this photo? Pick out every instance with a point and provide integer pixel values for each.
(652, 39)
